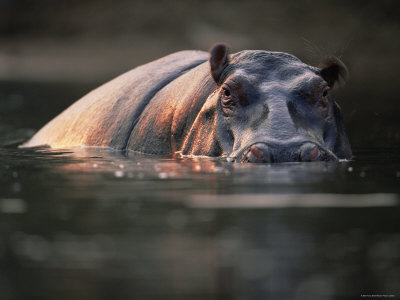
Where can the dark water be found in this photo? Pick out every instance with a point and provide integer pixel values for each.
(100, 224)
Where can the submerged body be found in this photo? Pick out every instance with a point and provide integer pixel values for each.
(251, 106)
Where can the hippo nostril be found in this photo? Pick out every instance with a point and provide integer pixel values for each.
(309, 152)
(257, 153)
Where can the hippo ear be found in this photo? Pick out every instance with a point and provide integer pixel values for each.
(332, 69)
(218, 60)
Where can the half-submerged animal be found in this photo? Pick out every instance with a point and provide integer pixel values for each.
(251, 106)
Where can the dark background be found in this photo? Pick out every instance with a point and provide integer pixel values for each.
(85, 43)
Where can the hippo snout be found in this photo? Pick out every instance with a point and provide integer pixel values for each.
(258, 153)
(264, 153)
(310, 152)
(313, 152)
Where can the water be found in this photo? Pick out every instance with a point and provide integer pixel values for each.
(91, 223)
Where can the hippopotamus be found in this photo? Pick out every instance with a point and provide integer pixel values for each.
(250, 106)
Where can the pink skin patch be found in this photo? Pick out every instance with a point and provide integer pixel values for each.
(314, 153)
(256, 152)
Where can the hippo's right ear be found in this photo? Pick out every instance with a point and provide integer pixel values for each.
(219, 59)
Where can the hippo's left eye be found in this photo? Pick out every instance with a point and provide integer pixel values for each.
(325, 93)
(227, 93)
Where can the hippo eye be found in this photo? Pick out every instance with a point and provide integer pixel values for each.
(227, 102)
(325, 93)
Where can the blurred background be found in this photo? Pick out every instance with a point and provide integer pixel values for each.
(85, 43)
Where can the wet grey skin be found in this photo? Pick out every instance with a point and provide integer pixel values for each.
(251, 106)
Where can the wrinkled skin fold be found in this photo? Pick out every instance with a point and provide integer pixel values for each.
(251, 106)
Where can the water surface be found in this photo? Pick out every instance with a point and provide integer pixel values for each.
(101, 224)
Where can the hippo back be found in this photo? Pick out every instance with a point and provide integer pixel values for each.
(106, 116)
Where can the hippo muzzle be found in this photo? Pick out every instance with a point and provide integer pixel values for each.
(261, 152)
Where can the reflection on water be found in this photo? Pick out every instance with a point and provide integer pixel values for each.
(91, 223)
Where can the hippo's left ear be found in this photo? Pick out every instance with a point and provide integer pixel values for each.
(332, 69)
(219, 59)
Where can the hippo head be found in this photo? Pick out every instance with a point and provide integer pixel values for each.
(271, 107)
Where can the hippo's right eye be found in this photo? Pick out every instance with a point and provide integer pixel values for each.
(228, 102)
